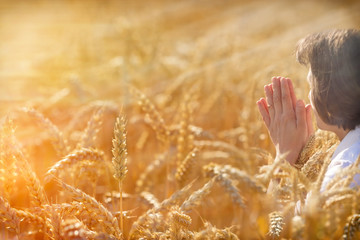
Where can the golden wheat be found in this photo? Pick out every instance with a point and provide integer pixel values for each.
(192, 152)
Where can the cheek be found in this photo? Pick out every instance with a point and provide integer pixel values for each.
(320, 124)
(318, 119)
(310, 99)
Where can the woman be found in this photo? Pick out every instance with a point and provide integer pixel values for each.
(333, 59)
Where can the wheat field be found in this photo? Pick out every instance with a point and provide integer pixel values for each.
(137, 120)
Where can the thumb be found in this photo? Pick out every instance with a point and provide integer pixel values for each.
(300, 114)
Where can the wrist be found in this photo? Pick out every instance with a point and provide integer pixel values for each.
(290, 157)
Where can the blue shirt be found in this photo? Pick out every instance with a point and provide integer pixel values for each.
(345, 155)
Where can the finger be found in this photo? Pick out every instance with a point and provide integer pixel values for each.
(285, 97)
(309, 123)
(292, 93)
(269, 94)
(300, 115)
(265, 104)
(277, 95)
(263, 111)
(269, 100)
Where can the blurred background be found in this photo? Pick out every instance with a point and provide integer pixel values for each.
(50, 45)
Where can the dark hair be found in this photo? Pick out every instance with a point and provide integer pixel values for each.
(334, 59)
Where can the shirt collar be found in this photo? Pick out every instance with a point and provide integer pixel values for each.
(350, 138)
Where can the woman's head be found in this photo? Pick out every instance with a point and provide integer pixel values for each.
(334, 61)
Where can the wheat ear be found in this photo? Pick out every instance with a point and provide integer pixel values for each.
(350, 177)
(73, 158)
(335, 192)
(78, 119)
(141, 183)
(211, 232)
(9, 216)
(180, 222)
(300, 176)
(75, 229)
(308, 150)
(184, 170)
(265, 178)
(13, 217)
(352, 226)
(337, 200)
(119, 149)
(8, 168)
(196, 197)
(33, 184)
(320, 179)
(313, 166)
(167, 203)
(229, 187)
(236, 174)
(224, 146)
(93, 126)
(150, 198)
(56, 136)
(276, 224)
(106, 218)
(119, 159)
(185, 138)
(342, 177)
(55, 225)
(156, 120)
